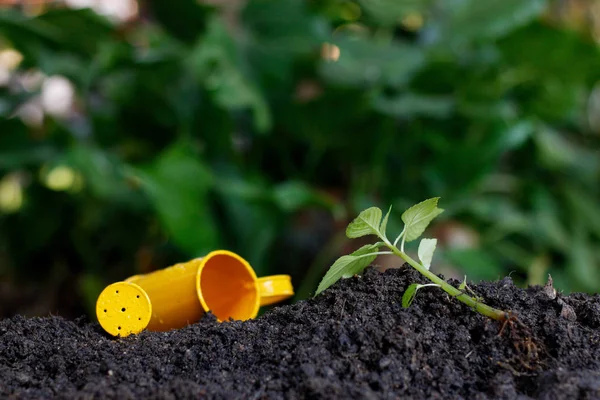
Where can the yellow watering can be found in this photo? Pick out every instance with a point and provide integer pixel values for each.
(222, 282)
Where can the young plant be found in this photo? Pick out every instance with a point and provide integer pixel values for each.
(416, 219)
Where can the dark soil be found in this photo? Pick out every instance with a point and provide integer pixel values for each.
(353, 341)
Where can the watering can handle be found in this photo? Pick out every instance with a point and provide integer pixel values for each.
(275, 288)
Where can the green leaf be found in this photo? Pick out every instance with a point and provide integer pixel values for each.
(368, 248)
(426, 250)
(345, 267)
(367, 223)
(418, 217)
(409, 295)
(383, 227)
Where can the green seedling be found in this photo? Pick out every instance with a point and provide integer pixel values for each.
(416, 219)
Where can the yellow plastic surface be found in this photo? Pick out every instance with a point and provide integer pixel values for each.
(123, 308)
(227, 286)
(221, 282)
(172, 292)
(274, 289)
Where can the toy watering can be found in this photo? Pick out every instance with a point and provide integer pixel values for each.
(222, 282)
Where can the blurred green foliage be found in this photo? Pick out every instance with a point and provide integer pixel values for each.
(263, 132)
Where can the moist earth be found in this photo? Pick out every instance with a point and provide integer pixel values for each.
(353, 341)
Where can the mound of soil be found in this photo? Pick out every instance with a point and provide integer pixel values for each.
(353, 341)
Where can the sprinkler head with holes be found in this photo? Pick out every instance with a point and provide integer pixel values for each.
(123, 308)
(222, 282)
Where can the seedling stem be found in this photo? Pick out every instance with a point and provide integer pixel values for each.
(448, 288)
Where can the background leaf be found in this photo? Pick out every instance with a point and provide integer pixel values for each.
(177, 183)
(216, 62)
(462, 21)
(364, 62)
